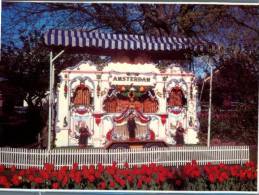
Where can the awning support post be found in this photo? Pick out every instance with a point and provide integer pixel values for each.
(51, 93)
(210, 106)
(50, 99)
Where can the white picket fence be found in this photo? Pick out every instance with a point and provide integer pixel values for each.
(171, 156)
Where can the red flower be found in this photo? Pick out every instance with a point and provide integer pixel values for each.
(250, 164)
(100, 167)
(103, 185)
(195, 173)
(31, 178)
(130, 178)
(2, 168)
(126, 165)
(44, 174)
(117, 178)
(152, 165)
(234, 171)
(72, 174)
(85, 172)
(148, 180)
(149, 171)
(223, 176)
(114, 164)
(38, 180)
(92, 170)
(255, 175)
(222, 166)
(4, 182)
(97, 174)
(212, 178)
(139, 184)
(161, 178)
(249, 174)
(65, 181)
(75, 166)
(135, 171)
(64, 169)
(48, 167)
(112, 184)
(16, 180)
(242, 175)
(77, 177)
(53, 174)
(60, 176)
(55, 185)
(192, 170)
(122, 183)
(142, 178)
(91, 178)
(170, 175)
(194, 162)
(21, 173)
(111, 170)
(13, 168)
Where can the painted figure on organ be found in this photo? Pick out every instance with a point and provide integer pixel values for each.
(84, 134)
(131, 125)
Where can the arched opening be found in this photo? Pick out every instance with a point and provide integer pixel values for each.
(82, 96)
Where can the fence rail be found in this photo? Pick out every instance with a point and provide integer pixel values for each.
(171, 156)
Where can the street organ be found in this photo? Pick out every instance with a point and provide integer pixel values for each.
(131, 101)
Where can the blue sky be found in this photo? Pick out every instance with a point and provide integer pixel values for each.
(10, 30)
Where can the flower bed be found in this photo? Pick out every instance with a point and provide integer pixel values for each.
(151, 177)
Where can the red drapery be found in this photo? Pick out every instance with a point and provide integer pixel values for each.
(163, 118)
(97, 118)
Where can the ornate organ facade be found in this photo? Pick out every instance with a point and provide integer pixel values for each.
(102, 101)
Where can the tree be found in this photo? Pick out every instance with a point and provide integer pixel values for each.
(234, 27)
(228, 25)
(234, 81)
(235, 78)
(27, 68)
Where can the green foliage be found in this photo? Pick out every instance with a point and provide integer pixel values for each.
(239, 126)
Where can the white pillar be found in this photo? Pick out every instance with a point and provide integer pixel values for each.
(51, 88)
